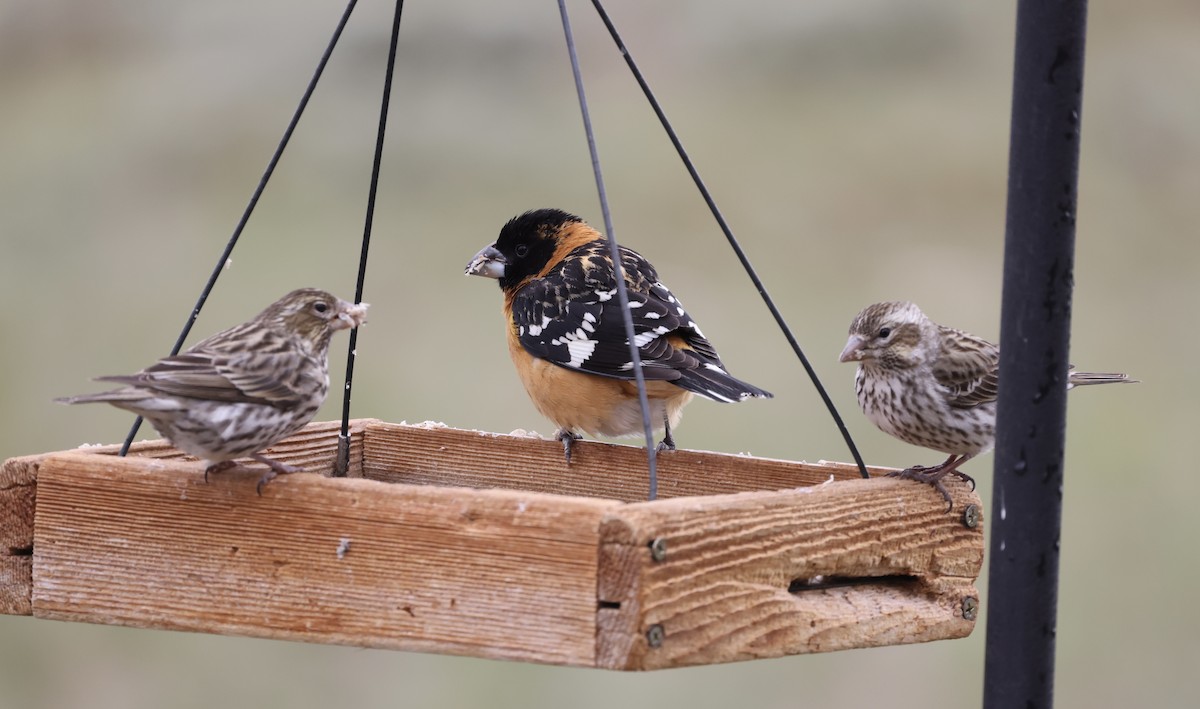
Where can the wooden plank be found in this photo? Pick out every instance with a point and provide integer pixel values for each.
(146, 543)
(18, 480)
(16, 585)
(511, 574)
(901, 564)
(17, 499)
(433, 454)
(313, 448)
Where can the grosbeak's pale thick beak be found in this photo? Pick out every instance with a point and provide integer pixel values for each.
(488, 263)
(350, 316)
(852, 352)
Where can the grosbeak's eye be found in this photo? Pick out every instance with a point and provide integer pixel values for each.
(522, 250)
(884, 332)
(320, 307)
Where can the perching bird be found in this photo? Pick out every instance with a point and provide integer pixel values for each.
(242, 389)
(931, 386)
(566, 334)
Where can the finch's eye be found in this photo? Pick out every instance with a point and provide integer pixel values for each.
(522, 250)
(884, 332)
(320, 307)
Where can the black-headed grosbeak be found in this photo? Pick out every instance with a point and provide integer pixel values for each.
(567, 337)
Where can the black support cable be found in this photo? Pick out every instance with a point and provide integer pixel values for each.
(615, 253)
(733, 242)
(262, 183)
(1035, 321)
(342, 464)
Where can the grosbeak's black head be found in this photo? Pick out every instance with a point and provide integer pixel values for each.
(526, 244)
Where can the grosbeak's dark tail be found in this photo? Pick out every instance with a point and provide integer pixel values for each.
(931, 386)
(245, 388)
(566, 330)
(712, 382)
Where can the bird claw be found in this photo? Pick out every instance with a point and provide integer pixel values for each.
(937, 485)
(919, 473)
(275, 469)
(932, 475)
(567, 438)
(266, 478)
(218, 467)
(665, 445)
(966, 478)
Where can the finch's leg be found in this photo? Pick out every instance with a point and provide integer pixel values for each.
(932, 475)
(218, 467)
(276, 468)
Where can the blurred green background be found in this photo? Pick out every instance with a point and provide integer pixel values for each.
(859, 150)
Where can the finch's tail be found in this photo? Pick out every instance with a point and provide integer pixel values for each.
(1078, 379)
(710, 381)
(116, 396)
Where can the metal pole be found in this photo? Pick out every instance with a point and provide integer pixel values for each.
(1034, 336)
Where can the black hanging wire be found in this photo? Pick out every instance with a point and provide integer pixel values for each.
(342, 465)
(615, 253)
(262, 183)
(733, 242)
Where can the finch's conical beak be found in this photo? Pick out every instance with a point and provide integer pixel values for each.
(488, 263)
(852, 352)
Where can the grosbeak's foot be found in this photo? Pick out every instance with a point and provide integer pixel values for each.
(275, 469)
(668, 441)
(567, 438)
(218, 467)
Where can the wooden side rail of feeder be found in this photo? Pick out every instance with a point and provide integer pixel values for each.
(469, 543)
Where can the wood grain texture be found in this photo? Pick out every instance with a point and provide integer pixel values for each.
(18, 497)
(313, 448)
(18, 486)
(492, 573)
(901, 567)
(476, 569)
(426, 454)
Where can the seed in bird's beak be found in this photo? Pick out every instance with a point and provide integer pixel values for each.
(852, 352)
(488, 263)
(352, 315)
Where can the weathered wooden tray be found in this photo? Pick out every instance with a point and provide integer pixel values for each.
(469, 543)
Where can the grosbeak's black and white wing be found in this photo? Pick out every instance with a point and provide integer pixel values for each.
(572, 317)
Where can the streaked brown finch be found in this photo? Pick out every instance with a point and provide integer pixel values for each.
(243, 389)
(931, 386)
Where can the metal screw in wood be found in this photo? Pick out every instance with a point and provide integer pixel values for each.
(655, 635)
(971, 516)
(658, 549)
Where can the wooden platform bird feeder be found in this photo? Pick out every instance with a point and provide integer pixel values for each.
(468, 543)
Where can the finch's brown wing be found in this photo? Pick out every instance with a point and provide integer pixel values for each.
(264, 369)
(968, 367)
